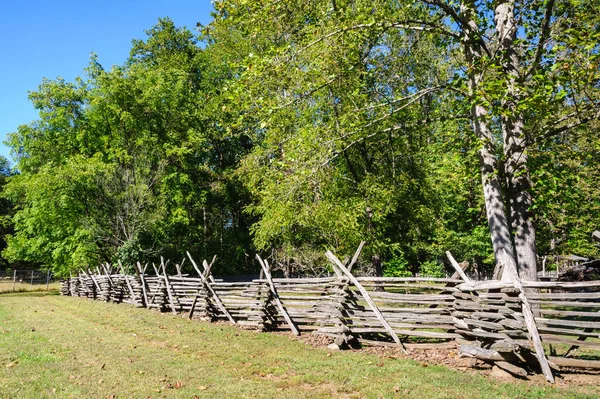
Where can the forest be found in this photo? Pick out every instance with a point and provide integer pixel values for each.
(292, 127)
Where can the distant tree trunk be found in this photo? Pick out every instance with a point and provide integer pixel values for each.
(517, 173)
(376, 260)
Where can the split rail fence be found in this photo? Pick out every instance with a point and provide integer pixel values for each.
(517, 326)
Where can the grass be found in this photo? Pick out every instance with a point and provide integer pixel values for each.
(62, 347)
(7, 286)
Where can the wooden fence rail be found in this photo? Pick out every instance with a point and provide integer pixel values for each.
(487, 320)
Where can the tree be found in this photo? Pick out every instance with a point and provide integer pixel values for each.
(130, 163)
(510, 68)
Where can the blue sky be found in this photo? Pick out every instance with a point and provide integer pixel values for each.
(55, 38)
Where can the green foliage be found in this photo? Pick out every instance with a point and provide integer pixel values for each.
(397, 267)
(432, 268)
(130, 163)
(361, 105)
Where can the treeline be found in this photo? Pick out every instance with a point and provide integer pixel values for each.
(293, 127)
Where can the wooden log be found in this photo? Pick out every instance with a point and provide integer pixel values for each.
(563, 340)
(168, 285)
(569, 323)
(457, 267)
(110, 283)
(206, 266)
(356, 255)
(496, 285)
(332, 258)
(211, 290)
(206, 274)
(267, 272)
(511, 368)
(575, 363)
(411, 346)
(464, 268)
(409, 280)
(95, 282)
(132, 293)
(513, 275)
(480, 353)
(141, 272)
(493, 357)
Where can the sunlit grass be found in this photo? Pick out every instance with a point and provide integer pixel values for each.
(62, 347)
(6, 286)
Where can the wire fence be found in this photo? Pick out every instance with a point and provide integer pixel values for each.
(20, 280)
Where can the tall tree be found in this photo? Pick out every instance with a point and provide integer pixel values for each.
(131, 162)
(508, 67)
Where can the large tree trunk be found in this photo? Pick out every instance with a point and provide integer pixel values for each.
(490, 179)
(516, 170)
(492, 191)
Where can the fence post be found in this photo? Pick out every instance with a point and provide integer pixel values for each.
(32, 277)
(47, 279)
(14, 279)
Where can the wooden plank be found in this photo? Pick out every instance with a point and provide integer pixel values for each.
(480, 353)
(563, 340)
(569, 323)
(110, 283)
(366, 296)
(156, 291)
(207, 273)
(267, 272)
(208, 266)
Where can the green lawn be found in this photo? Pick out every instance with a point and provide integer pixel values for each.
(62, 347)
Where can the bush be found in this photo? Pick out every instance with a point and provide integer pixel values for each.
(432, 268)
(396, 267)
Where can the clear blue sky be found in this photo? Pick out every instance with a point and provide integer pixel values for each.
(55, 38)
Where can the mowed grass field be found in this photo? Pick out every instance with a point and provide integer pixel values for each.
(8, 286)
(61, 347)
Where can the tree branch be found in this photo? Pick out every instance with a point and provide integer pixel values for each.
(542, 40)
(551, 132)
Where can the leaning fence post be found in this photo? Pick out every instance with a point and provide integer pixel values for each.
(168, 284)
(143, 282)
(332, 258)
(286, 316)
(209, 288)
(530, 323)
(47, 279)
(203, 278)
(459, 270)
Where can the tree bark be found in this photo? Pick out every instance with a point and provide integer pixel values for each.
(516, 171)
(490, 179)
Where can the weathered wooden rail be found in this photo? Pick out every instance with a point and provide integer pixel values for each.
(518, 326)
